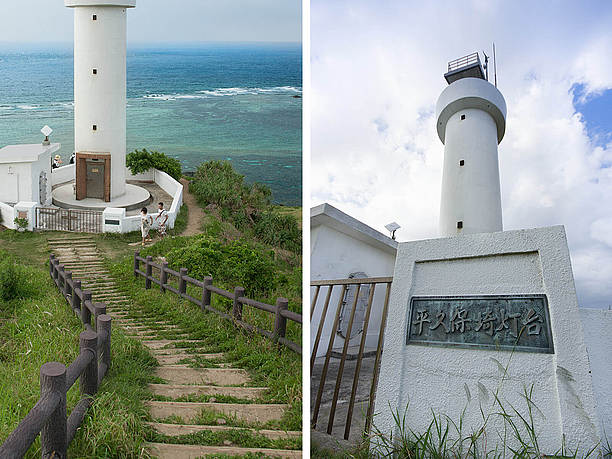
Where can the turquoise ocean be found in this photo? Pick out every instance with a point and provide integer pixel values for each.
(239, 102)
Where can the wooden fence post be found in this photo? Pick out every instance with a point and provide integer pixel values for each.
(60, 277)
(206, 294)
(76, 300)
(51, 258)
(238, 292)
(67, 284)
(88, 341)
(182, 282)
(136, 263)
(104, 333)
(85, 312)
(280, 323)
(53, 436)
(149, 271)
(99, 309)
(55, 263)
(163, 278)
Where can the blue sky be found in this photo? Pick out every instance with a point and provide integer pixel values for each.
(377, 71)
(155, 21)
(596, 111)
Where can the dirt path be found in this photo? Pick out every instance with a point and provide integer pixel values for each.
(196, 214)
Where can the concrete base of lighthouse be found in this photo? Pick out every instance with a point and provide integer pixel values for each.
(134, 197)
(430, 365)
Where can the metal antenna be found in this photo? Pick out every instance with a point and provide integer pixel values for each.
(494, 64)
(486, 65)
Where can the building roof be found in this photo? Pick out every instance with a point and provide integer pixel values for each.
(328, 215)
(26, 153)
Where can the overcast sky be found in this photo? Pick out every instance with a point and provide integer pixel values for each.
(154, 21)
(377, 71)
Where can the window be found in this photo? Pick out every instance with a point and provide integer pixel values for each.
(95, 17)
(95, 71)
(462, 162)
(459, 225)
(95, 127)
(462, 117)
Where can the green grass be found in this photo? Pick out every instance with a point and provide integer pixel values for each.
(42, 328)
(505, 431)
(269, 365)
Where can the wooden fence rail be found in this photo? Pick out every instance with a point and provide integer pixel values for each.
(280, 309)
(48, 417)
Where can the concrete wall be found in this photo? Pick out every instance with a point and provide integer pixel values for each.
(425, 378)
(148, 176)
(334, 255)
(16, 182)
(63, 174)
(101, 99)
(597, 326)
(170, 186)
(7, 215)
(42, 165)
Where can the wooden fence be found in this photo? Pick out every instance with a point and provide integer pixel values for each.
(48, 417)
(367, 287)
(279, 310)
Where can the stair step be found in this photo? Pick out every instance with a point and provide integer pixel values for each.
(160, 343)
(177, 358)
(182, 390)
(188, 411)
(180, 374)
(183, 352)
(175, 430)
(168, 451)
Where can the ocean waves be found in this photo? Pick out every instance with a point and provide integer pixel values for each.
(225, 92)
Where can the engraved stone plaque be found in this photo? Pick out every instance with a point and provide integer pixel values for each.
(503, 322)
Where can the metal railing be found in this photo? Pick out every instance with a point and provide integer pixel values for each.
(73, 220)
(464, 61)
(279, 310)
(345, 285)
(49, 416)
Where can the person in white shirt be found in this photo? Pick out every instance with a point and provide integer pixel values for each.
(145, 225)
(162, 219)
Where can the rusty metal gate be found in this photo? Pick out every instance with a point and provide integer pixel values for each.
(352, 354)
(75, 220)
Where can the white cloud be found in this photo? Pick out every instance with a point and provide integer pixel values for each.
(377, 72)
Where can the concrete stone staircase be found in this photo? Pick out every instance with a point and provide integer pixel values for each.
(200, 392)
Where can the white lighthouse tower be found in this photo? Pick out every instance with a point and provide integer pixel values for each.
(100, 30)
(471, 121)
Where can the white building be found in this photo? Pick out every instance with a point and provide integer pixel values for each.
(342, 247)
(100, 100)
(25, 172)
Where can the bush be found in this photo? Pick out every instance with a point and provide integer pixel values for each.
(234, 264)
(216, 182)
(140, 161)
(279, 230)
(9, 279)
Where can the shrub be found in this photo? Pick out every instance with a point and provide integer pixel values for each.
(140, 161)
(216, 182)
(279, 230)
(9, 279)
(234, 264)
